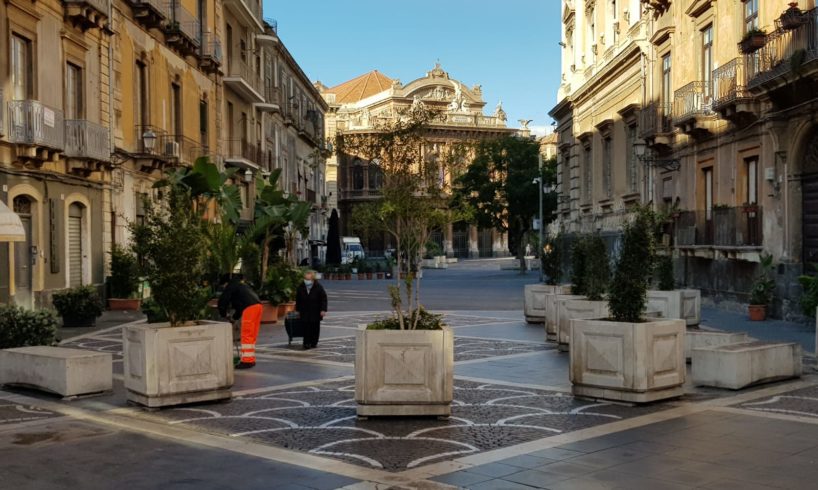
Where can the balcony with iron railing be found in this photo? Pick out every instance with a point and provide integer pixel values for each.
(720, 228)
(272, 98)
(244, 80)
(151, 13)
(730, 95)
(785, 51)
(84, 139)
(184, 30)
(269, 34)
(247, 11)
(655, 124)
(87, 13)
(693, 107)
(242, 154)
(210, 53)
(35, 124)
(183, 150)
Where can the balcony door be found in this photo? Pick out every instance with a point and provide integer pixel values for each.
(21, 68)
(707, 64)
(73, 92)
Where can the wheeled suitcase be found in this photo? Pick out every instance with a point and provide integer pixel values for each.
(294, 326)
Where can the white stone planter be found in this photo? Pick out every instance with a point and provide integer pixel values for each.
(404, 372)
(167, 365)
(551, 318)
(66, 372)
(631, 362)
(535, 298)
(679, 303)
(576, 309)
(699, 339)
(740, 365)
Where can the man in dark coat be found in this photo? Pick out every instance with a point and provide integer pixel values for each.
(246, 308)
(311, 305)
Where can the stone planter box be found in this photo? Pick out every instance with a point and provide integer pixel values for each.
(124, 304)
(699, 339)
(740, 365)
(630, 362)
(404, 372)
(576, 309)
(551, 318)
(65, 372)
(679, 303)
(534, 300)
(167, 365)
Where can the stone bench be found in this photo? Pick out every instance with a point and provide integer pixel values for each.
(697, 339)
(66, 372)
(737, 366)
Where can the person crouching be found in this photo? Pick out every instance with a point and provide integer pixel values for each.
(246, 307)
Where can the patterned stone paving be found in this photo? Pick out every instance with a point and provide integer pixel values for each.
(342, 349)
(100, 343)
(14, 413)
(453, 320)
(802, 402)
(321, 420)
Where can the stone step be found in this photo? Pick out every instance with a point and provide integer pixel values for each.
(695, 339)
(66, 372)
(736, 366)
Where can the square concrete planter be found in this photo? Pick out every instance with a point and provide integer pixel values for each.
(167, 365)
(551, 318)
(699, 339)
(679, 303)
(576, 309)
(404, 372)
(737, 366)
(630, 362)
(66, 372)
(535, 297)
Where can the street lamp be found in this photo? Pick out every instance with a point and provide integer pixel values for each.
(149, 140)
(539, 183)
(248, 175)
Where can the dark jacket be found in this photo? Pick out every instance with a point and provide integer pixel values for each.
(309, 306)
(238, 296)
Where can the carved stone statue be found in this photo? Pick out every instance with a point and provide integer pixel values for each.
(416, 102)
(499, 113)
(524, 123)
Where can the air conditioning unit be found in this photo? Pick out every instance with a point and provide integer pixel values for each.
(172, 149)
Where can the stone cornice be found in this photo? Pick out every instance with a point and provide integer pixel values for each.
(662, 35)
(698, 7)
(563, 108)
(611, 70)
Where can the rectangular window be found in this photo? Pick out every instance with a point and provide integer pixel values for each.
(707, 60)
(587, 175)
(73, 92)
(203, 121)
(614, 22)
(751, 166)
(630, 158)
(667, 90)
(708, 193)
(21, 68)
(607, 164)
(176, 110)
(229, 40)
(750, 15)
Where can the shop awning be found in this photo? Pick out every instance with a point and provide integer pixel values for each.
(11, 228)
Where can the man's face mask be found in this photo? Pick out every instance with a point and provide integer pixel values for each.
(308, 282)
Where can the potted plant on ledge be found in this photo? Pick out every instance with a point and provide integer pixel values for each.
(753, 40)
(793, 17)
(78, 306)
(184, 359)
(761, 295)
(124, 280)
(628, 357)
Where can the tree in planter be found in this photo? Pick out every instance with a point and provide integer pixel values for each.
(579, 259)
(124, 279)
(22, 328)
(665, 280)
(597, 268)
(413, 199)
(79, 306)
(764, 285)
(628, 294)
(497, 190)
(552, 260)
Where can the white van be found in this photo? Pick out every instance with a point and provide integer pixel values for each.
(351, 249)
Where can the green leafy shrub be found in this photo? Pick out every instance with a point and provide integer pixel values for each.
(579, 257)
(427, 321)
(597, 268)
(809, 296)
(22, 328)
(552, 259)
(281, 283)
(764, 285)
(664, 273)
(628, 295)
(433, 250)
(154, 312)
(124, 280)
(78, 302)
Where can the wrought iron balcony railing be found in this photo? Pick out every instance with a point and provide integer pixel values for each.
(100, 6)
(160, 8)
(184, 22)
(730, 82)
(34, 123)
(182, 149)
(238, 149)
(720, 227)
(784, 51)
(84, 139)
(655, 119)
(693, 99)
(211, 48)
(240, 69)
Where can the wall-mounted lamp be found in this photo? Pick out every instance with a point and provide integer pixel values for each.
(149, 140)
(248, 175)
(640, 150)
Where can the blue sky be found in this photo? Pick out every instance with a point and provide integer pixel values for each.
(508, 46)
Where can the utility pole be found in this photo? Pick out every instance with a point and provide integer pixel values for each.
(539, 192)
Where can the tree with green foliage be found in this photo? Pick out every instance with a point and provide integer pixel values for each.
(597, 268)
(628, 295)
(124, 279)
(551, 261)
(579, 259)
(498, 190)
(664, 272)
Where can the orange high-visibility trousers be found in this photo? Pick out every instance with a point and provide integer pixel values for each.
(250, 323)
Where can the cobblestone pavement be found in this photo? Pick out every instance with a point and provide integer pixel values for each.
(15, 413)
(320, 420)
(342, 349)
(803, 402)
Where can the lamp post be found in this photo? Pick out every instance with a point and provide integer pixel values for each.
(539, 194)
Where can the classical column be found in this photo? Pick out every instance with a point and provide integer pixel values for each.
(474, 247)
(448, 232)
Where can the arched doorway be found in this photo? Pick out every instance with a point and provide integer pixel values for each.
(809, 203)
(23, 253)
(77, 244)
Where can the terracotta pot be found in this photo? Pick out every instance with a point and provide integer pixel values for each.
(289, 306)
(369, 275)
(361, 276)
(348, 276)
(269, 313)
(213, 303)
(282, 310)
(380, 275)
(752, 43)
(758, 313)
(124, 304)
